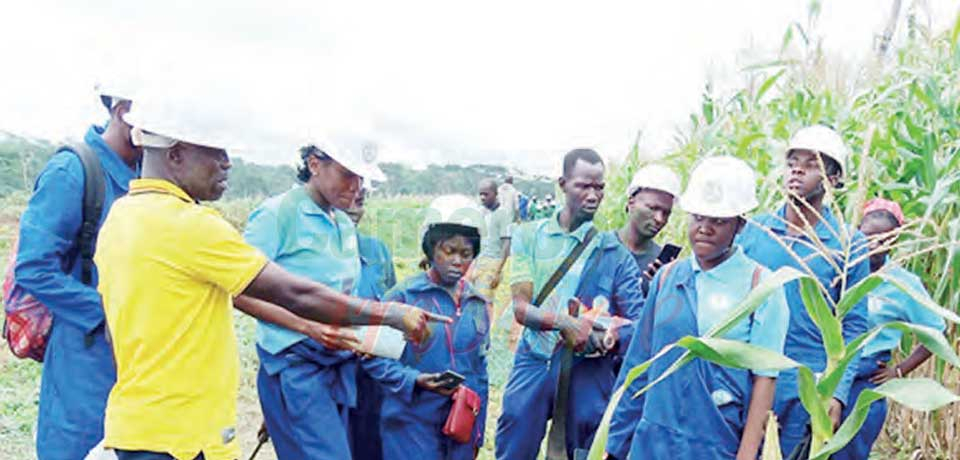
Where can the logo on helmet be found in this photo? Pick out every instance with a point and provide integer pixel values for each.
(712, 192)
(369, 152)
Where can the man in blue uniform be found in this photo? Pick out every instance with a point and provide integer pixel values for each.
(377, 276)
(603, 282)
(650, 198)
(78, 369)
(819, 244)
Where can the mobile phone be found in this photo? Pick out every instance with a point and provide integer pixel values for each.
(449, 379)
(668, 253)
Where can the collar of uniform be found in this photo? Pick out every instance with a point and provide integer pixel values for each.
(160, 185)
(779, 222)
(728, 269)
(113, 165)
(553, 227)
(307, 206)
(422, 283)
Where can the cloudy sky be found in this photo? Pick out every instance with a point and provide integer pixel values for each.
(515, 83)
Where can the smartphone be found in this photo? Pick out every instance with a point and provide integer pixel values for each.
(449, 379)
(668, 253)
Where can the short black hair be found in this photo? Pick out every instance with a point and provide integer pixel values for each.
(831, 166)
(437, 233)
(571, 158)
(303, 170)
(883, 214)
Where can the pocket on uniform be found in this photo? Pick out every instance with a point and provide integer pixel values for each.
(731, 409)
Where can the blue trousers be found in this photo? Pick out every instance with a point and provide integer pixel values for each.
(365, 439)
(861, 444)
(78, 373)
(300, 408)
(528, 404)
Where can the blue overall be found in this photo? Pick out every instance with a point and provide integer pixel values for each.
(886, 303)
(699, 411)
(376, 276)
(305, 389)
(78, 369)
(804, 343)
(411, 419)
(610, 272)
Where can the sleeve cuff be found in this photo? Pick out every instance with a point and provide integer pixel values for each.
(408, 384)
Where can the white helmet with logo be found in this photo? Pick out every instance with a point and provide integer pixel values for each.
(656, 177)
(457, 211)
(359, 158)
(721, 186)
(820, 138)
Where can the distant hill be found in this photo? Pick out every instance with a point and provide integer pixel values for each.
(21, 159)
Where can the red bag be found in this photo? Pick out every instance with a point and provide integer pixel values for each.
(463, 414)
(27, 322)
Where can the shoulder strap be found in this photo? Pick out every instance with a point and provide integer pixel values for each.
(564, 267)
(665, 273)
(94, 190)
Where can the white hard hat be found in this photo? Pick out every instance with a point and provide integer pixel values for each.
(819, 138)
(655, 177)
(161, 123)
(454, 210)
(359, 159)
(720, 186)
(111, 94)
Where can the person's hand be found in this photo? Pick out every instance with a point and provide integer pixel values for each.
(575, 331)
(412, 321)
(883, 373)
(835, 412)
(612, 336)
(495, 281)
(652, 268)
(429, 382)
(332, 337)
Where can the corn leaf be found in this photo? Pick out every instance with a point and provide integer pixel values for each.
(918, 394)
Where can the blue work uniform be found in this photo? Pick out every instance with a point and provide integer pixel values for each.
(699, 411)
(305, 389)
(804, 342)
(78, 369)
(412, 419)
(376, 277)
(886, 303)
(605, 276)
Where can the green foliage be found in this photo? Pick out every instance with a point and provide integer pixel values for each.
(901, 123)
(443, 179)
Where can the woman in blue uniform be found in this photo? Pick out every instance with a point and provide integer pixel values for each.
(415, 406)
(886, 303)
(703, 411)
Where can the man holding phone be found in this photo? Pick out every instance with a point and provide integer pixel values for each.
(650, 198)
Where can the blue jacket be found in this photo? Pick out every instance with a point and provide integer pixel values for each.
(804, 343)
(376, 268)
(404, 402)
(78, 369)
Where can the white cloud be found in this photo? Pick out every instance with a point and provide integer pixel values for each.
(433, 81)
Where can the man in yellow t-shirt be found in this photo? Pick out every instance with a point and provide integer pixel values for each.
(171, 270)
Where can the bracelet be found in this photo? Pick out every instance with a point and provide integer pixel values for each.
(899, 371)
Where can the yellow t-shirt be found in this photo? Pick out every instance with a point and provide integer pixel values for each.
(168, 271)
